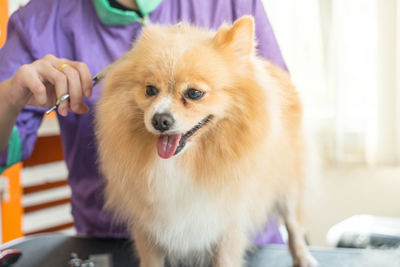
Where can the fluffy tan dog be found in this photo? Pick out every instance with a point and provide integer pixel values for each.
(200, 141)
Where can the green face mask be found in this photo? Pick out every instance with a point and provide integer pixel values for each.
(114, 17)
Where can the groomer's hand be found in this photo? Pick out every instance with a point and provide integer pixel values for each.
(45, 80)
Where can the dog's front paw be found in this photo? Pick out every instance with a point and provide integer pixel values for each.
(306, 261)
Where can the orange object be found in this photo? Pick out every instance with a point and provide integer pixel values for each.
(52, 115)
(3, 21)
(11, 207)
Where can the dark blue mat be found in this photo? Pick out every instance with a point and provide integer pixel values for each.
(55, 250)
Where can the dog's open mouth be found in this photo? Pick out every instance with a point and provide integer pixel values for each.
(170, 145)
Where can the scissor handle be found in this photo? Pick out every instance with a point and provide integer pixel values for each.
(9, 256)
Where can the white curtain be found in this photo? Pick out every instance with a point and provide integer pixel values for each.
(342, 57)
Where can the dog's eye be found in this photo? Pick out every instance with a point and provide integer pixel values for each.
(151, 90)
(194, 94)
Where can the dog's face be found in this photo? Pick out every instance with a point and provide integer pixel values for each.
(181, 78)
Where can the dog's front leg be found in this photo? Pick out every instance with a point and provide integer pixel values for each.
(231, 249)
(290, 208)
(149, 254)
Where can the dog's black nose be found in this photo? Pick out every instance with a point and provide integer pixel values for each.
(162, 122)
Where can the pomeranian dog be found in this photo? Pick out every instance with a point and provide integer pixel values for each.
(200, 141)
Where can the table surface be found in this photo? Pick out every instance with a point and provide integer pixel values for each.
(55, 250)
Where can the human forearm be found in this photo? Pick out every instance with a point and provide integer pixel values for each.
(8, 114)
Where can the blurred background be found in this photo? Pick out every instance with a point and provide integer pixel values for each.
(344, 58)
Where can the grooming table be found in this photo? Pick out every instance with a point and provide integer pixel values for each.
(55, 250)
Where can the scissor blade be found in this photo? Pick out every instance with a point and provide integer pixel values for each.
(99, 76)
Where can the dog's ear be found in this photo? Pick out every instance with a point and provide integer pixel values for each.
(239, 38)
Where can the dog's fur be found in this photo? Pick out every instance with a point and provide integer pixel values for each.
(245, 163)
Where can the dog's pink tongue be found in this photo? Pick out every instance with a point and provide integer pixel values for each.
(167, 144)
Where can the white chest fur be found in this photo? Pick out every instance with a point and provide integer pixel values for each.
(184, 217)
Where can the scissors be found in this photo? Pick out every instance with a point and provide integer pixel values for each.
(96, 79)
